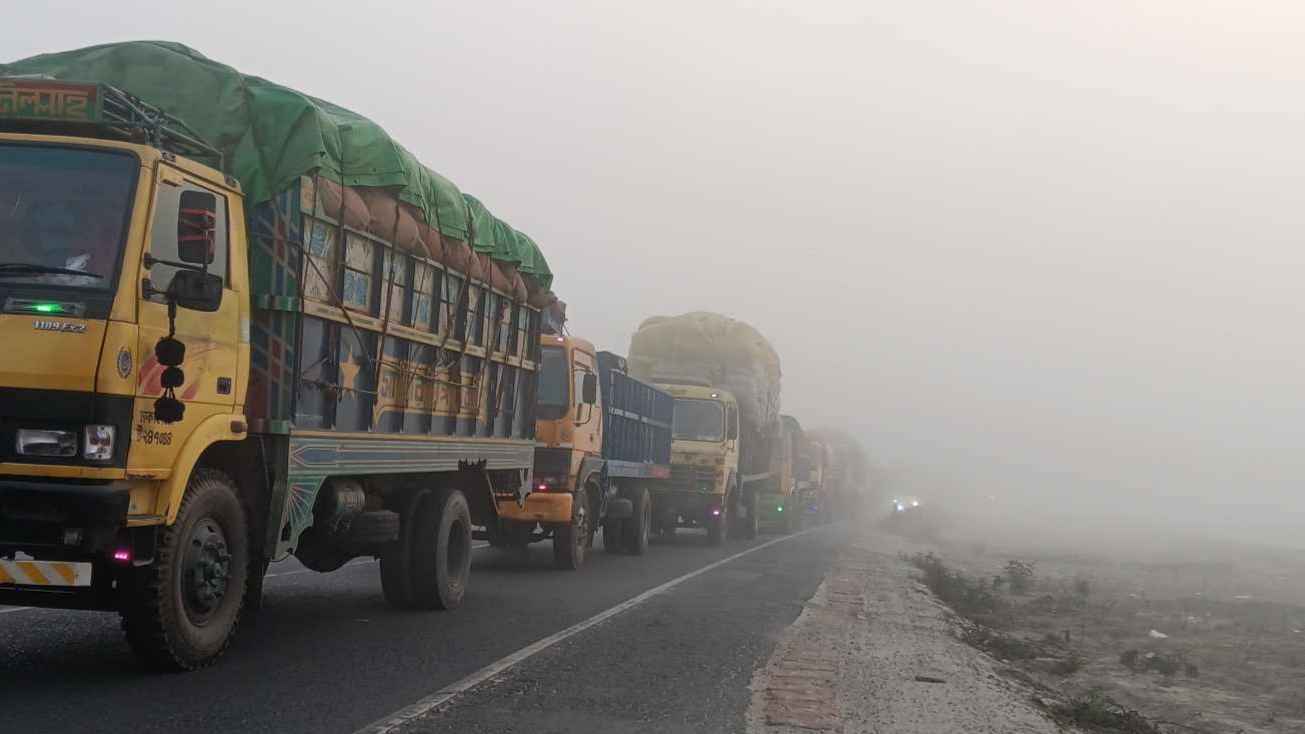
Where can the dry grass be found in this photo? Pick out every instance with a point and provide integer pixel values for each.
(1221, 661)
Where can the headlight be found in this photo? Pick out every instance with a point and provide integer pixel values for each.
(47, 443)
(98, 443)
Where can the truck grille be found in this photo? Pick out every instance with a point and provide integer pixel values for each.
(687, 476)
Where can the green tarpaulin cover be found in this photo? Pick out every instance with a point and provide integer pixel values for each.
(270, 134)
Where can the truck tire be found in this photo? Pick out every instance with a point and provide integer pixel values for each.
(751, 523)
(572, 540)
(185, 607)
(614, 536)
(718, 526)
(639, 526)
(396, 558)
(441, 551)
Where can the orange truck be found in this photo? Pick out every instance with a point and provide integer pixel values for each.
(603, 445)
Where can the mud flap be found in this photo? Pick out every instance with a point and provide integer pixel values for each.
(474, 481)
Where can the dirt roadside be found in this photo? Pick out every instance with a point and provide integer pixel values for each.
(874, 651)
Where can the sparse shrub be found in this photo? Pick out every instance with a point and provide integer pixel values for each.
(1165, 665)
(1005, 647)
(1068, 666)
(1097, 710)
(1019, 575)
(1129, 659)
(966, 596)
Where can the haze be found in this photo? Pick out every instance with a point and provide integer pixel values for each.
(1042, 251)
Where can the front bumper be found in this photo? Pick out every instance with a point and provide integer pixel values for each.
(777, 508)
(38, 516)
(545, 507)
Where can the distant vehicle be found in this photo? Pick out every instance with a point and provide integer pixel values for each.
(817, 478)
(906, 504)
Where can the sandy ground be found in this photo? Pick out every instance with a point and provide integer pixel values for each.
(873, 651)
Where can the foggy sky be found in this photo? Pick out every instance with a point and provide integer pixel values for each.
(1044, 251)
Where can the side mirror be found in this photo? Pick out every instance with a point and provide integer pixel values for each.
(732, 429)
(195, 290)
(196, 227)
(589, 389)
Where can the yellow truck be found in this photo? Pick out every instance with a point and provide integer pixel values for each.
(706, 487)
(195, 384)
(732, 458)
(603, 447)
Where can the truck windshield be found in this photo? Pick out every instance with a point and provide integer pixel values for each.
(698, 420)
(554, 383)
(63, 214)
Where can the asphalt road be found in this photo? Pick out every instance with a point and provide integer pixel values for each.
(328, 655)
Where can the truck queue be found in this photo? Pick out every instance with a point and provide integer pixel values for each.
(237, 337)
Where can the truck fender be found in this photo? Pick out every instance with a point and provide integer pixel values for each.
(213, 429)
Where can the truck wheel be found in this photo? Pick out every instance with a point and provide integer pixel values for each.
(396, 559)
(639, 527)
(570, 541)
(718, 525)
(185, 606)
(614, 536)
(441, 551)
(752, 523)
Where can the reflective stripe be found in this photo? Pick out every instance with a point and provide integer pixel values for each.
(33, 573)
(45, 573)
(68, 575)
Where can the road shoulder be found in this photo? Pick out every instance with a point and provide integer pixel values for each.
(873, 651)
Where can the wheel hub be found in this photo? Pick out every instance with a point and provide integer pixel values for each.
(206, 571)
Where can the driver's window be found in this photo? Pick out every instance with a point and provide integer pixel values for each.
(168, 213)
(579, 387)
(582, 368)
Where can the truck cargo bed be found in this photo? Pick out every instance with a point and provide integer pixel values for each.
(636, 419)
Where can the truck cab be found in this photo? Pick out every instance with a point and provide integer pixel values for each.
(98, 240)
(568, 431)
(704, 490)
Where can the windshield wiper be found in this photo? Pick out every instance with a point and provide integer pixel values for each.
(30, 268)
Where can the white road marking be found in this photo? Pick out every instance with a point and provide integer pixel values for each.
(357, 562)
(453, 690)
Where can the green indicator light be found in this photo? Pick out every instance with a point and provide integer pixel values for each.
(47, 308)
(780, 508)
